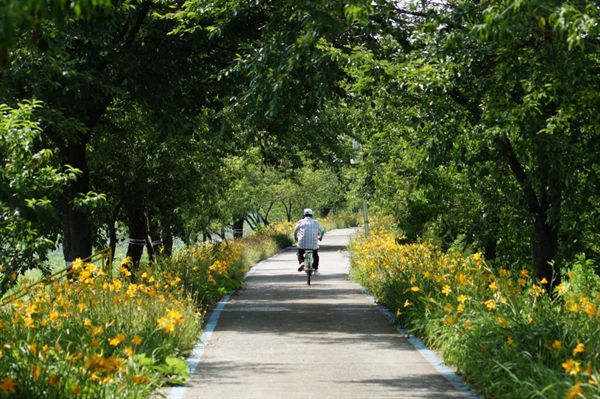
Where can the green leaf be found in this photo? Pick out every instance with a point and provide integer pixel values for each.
(177, 365)
(143, 360)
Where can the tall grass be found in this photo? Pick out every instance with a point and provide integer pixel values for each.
(498, 327)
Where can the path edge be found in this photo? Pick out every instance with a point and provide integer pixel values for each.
(196, 356)
(430, 356)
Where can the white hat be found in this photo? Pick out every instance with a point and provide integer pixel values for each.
(307, 212)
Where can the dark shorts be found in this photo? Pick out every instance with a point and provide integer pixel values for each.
(315, 257)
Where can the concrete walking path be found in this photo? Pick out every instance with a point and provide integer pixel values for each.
(279, 338)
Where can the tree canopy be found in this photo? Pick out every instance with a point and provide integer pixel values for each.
(474, 123)
(484, 121)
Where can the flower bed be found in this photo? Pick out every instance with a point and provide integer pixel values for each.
(98, 336)
(501, 330)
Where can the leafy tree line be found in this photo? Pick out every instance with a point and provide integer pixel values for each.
(151, 109)
(475, 123)
(27, 181)
(479, 124)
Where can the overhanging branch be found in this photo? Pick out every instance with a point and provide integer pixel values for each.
(519, 172)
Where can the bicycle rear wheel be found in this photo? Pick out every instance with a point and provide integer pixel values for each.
(309, 263)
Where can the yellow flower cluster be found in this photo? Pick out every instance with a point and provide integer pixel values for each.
(424, 284)
(172, 319)
(279, 228)
(219, 267)
(88, 326)
(225, 256)
(422, 273)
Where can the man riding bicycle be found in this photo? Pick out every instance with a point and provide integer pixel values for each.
(308, 232)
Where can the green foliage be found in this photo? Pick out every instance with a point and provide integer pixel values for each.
(126, 103)
(259, 193)
(29, 178)
(481, 126)
(276, 63)
(138, 164)
(173, 368)
(341, 221)
(583, 276)
(16, 14)
(282, 241)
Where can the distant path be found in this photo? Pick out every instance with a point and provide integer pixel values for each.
(279, 338)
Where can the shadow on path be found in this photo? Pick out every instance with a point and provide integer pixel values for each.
(279, 337)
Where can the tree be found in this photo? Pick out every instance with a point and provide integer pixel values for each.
(546, 74)
(29, 179)
(124, 59)
(79, 69)
(490, 107)
(18, 15)
(282, 76)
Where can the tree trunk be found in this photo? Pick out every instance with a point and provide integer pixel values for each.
(238, 228)
(490, 246)
(267, 211)
(288, 209)
(252, 221)
(544, 245)
(112, 239)
(155, 244)
(547, 221)
(112, 231)
(137, 236)
(77, 229)
(545, 210)
(167, 241)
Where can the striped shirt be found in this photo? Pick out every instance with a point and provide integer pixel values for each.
(307, 232)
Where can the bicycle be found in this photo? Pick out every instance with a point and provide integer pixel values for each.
(308, 264)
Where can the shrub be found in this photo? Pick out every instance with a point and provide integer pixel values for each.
(341, 221)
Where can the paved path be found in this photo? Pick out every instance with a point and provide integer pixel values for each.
(279, 338)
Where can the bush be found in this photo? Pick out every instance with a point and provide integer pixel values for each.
(341, 221)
